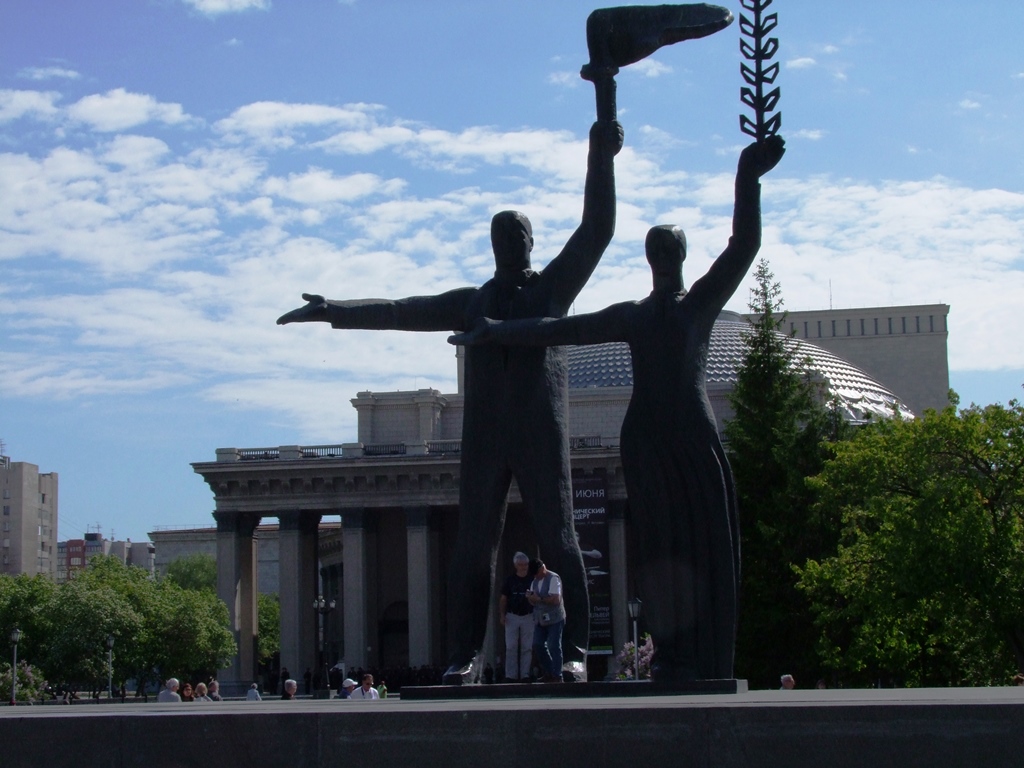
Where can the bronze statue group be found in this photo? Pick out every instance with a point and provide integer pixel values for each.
(681, 502)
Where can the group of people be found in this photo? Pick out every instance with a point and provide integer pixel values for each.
(532, 610)
(174, 691)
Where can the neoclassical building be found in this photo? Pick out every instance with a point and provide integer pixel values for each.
(392, 495)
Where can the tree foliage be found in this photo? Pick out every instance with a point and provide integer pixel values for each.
(776, 440)
(269, 625)
(927, 585)
(159, 629)
(196, 572)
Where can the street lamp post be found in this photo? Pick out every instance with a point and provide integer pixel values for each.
(110, 666)
(634, 605)
(15, 637)
(323, 607)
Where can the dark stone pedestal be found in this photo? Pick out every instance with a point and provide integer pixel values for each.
(603, 689)
(838, 729)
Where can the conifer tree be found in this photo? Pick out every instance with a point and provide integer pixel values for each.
(775, 442)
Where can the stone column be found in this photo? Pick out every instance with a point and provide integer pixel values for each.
(355, 586)
(298, 583)
(423, 610)
(236, 586)
(619, 576)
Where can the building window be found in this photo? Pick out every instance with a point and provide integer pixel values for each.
(7, 493)
(7, 510)
(862, 333)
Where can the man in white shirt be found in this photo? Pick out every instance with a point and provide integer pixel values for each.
(545, 595)
(366, 690)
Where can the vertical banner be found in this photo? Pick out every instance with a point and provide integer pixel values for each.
(590, 515)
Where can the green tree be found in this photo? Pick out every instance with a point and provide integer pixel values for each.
(191, 635)
(83, 614)
(776, 439)
(196, 572)
(269, 625)
(25, 603)
(927, 586)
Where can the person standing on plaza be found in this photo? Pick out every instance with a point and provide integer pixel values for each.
(348, 685)
(169, 691)
(366, 690)
(545, 595)
(201, 693)
(516, 615)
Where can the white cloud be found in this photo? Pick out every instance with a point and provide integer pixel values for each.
(317, 186)
(48, 73)
(118, 110)
(808, 133)
(16, 104)
(650, 68)
(566, 79)
(274, 122)
(829, 49)
(968, 104)
(169, 267)
(218, 7)
(802, 63)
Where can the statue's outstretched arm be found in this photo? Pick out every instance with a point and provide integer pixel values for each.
(716, 287)
(568, 272)
(609, 324)
(444, 312)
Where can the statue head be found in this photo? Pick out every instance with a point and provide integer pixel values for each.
(666, 252)
(512, 241)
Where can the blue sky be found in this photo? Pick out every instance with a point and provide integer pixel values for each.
(174, 173)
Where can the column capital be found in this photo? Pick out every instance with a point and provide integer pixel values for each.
(241, 523)
(299, 520)
(617, 509)
(356, 519)
(419, 517)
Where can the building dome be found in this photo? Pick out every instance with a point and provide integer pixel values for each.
(859, 395)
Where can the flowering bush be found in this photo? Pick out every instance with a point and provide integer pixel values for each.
(31, 684)
(627, 656)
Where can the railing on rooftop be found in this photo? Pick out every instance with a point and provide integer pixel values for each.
(444, 446)
(450, 447)
(384, 449)
(259, 454)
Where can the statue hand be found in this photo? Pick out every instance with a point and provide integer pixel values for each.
(757, 159)
(315, 310)
(480, 333)
(607, 134)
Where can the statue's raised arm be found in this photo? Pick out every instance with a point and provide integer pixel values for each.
(568, 272)
(720, 282)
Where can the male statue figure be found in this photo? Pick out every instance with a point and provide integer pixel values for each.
(515, 422)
